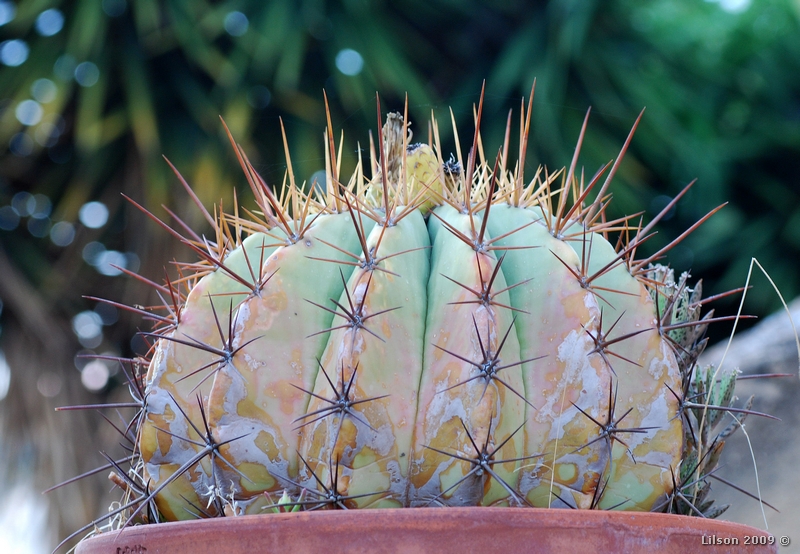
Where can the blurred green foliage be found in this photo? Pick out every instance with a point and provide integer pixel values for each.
(94, 92)
(128, 82)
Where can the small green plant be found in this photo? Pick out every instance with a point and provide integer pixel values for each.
(446, 332)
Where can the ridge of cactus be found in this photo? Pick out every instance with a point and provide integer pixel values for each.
(442, 333)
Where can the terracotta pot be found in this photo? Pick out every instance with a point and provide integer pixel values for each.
(440, 531)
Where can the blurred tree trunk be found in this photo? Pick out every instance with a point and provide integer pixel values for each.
(45, 447)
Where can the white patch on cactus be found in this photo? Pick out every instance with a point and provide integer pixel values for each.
(530, 478)
(236, 391)
(656, 415)
(158, 365)
(574, 353)
(658, 367)
(443, 409)
(349, 349)
(382, 439)
(246, 430)
(157, 400)
(241, 318)
(396, 478)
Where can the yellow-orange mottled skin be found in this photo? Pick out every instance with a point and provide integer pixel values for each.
(563, 317)
(374, 457)
(646, 369)
(257, 398)
(488, 410)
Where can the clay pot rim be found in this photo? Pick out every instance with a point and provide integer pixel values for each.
(443, 530)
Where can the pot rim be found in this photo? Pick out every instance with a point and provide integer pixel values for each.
(442, 530)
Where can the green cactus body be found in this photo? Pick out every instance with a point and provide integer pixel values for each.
(415, 344)
(458, 405)
(560, 319)
(377, 359)
(256, 399)
(173, 382)
(646, 371)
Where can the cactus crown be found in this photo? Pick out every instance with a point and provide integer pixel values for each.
(442, 333)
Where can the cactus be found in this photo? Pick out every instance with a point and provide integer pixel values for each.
(442, 334)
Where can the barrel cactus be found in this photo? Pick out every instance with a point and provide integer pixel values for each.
(445, 332)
